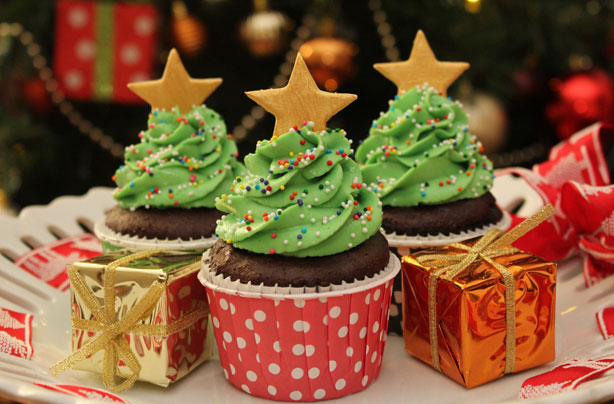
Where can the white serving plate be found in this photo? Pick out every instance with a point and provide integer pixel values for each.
(402, 377)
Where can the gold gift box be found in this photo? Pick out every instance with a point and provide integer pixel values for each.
(470, 315)
(163, 358)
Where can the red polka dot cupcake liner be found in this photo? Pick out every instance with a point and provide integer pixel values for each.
(301, 346)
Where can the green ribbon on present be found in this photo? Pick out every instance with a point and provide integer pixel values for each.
(105, 41)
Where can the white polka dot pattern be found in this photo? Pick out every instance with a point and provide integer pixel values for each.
(282, 344)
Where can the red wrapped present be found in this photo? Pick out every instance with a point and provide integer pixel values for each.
(101, 46)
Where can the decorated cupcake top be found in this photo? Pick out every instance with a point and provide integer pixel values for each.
(304, 195)
(185, 158)
(420, 150)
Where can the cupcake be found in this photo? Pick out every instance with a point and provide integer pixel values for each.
(420, 158)
(425, 166)
(168, 184)
(299, 282)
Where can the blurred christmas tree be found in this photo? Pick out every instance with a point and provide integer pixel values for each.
(539, 71)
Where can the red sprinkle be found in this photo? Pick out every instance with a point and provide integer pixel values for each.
(302, 141)
(248, 228)
(441, 183)
(273, 235)
(272, 251)
(448, 182)
(355, 203)
(329, 162)
(176, 203)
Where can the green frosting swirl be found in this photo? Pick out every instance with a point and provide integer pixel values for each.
(304, 197)
(183, 160)
(420, 152)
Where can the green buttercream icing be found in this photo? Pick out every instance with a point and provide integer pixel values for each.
(420, 152)
(304, 197)
(183, 160)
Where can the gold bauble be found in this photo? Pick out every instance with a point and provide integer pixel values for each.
(330, 60)
(487, 120)
(265, 32)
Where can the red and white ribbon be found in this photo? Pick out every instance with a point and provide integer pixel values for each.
(15, 333)
(49, 262)
(575, 179)
(565, 377)
(605, 321)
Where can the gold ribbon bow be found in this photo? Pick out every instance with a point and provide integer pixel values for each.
(111, 331)
(493, 244)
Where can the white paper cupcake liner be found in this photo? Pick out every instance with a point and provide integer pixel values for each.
(438, 240)
(135, 243)
(223, 283)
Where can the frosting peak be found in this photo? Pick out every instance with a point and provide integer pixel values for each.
(421, 152)
(183, 160)
(304, 197)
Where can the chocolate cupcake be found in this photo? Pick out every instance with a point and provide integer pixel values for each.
(167, 187)
(299, 283)
(428, 170)
(425, 166)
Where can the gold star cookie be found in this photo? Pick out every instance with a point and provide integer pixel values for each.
(300, 100)
(175, 88)
(422, 67)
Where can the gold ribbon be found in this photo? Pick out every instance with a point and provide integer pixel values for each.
(111, 331)
(493, 244)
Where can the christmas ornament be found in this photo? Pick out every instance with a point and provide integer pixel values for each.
(102, 46)
(422, 67)
(487, 120)
(37, 96)
(265, 32)
(189, 33)
(300, 100)
(176, 88)
(581, 99)
(330, 60)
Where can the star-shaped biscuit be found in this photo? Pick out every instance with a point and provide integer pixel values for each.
(422, 67)
(175, 88)
(300, 100)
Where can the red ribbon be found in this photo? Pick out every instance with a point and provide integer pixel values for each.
(575, 179)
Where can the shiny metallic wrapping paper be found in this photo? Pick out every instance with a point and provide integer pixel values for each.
(471, 315)
(163, 359)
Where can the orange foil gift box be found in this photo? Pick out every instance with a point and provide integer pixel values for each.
(142, 316)
(479, 310)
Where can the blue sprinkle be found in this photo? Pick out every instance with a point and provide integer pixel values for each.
(263, 191)
(122, 166)
(290, 167)
(275, 217)
(304, 230)
(374, 125)
(465, 130)
(433, 126)
(359, 214)
(299, 236)
(300, 202)
(450, 98)
(270, 171)
(151, 174)
(396, 97)
(151, 189)
(340, 150)
(170, 191)
(392, 108)
(328, 151)
(248, 188)
(261, 179)
(423, 193)
(266, 182)
(338, 213)
(132, 185)
(257, 186)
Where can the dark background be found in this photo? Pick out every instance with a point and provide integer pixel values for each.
(523, 55)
